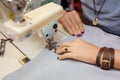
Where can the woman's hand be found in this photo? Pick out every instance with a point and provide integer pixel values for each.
(72, 23)
(78, 50)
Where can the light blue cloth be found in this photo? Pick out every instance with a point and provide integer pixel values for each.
(46, 66)
(109, 16)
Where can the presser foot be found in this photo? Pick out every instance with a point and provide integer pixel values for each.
(50, 44)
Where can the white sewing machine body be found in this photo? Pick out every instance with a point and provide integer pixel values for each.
(30, 36)
(35, 20)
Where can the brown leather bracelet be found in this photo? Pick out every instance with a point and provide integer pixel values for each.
(106, 60)
(111, 51)
(99, 55)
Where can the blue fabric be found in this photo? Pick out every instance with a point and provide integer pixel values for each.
(109, 17)
(45, 65)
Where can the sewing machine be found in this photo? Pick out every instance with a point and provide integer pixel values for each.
(31, 31)
(41, 20)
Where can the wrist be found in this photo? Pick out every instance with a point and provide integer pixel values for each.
(93, 56)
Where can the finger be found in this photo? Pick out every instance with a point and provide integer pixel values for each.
(74, 22)
(65, 56)
(66, 25)
(78, 20)
(69, 22)
(63, 50)
(65, 44)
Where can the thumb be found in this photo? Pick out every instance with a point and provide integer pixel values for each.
(65, 56)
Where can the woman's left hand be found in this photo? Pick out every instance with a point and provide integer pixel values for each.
(78, 50)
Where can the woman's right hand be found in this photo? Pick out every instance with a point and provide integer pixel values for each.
(72, 23)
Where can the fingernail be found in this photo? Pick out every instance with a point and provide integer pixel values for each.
(73, 34)
(82, 32)
(55, 51)
(58, 58)
(79, 35)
